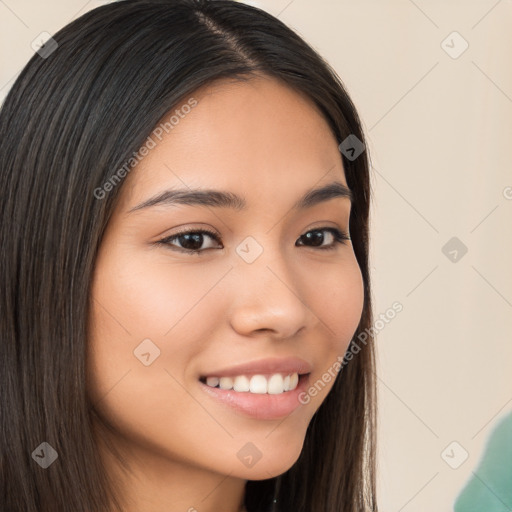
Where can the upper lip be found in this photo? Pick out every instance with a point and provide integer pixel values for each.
(284, 365)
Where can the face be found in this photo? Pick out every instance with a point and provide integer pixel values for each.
(270, 286)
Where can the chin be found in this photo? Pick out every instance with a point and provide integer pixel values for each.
(274, 459)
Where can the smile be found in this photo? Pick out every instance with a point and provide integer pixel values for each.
(266, 402)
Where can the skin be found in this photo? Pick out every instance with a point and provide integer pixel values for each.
(269, 144)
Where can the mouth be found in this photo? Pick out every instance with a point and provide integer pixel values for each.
(260, 397)
(263, 389)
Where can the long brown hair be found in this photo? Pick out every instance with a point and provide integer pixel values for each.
(77, 112)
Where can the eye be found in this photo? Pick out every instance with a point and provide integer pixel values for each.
(316, 236)
(190, 241)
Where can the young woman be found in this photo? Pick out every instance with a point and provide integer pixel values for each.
(185, 300)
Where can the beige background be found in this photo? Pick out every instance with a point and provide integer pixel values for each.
(440, 137)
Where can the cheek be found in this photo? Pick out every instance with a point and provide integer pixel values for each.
(149, 295)
(338, 298)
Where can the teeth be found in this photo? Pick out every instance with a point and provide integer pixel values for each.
(241, 383)
(212, 381)
(258, 384)
(294, 380)
(226, 383)
(275, 384)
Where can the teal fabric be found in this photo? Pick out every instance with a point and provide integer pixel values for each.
(490, 486)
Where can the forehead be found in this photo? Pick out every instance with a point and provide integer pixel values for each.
(259, 138)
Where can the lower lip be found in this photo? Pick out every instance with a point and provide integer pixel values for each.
(260, 406)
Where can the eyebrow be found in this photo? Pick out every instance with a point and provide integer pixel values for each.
(225, 199)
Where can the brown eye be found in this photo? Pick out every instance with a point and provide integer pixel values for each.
(190, 241)
(316, 237)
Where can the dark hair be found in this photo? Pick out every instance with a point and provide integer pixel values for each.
(74, 116)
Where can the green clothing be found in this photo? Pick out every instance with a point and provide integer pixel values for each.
(490, 486)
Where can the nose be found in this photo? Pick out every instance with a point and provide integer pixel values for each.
(268, 297)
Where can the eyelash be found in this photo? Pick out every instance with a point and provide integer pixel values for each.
(340, 237)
